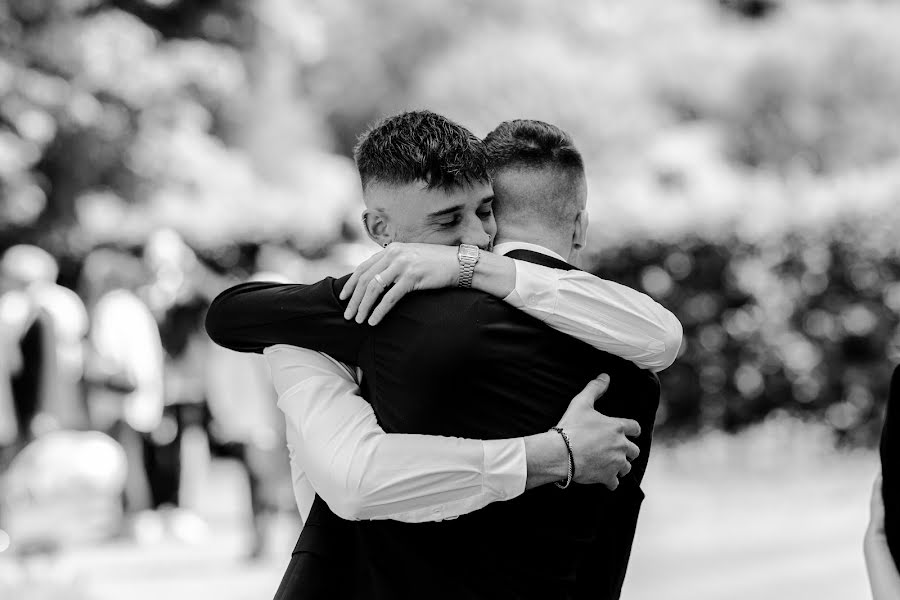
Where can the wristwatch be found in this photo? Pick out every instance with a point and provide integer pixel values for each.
(468, 256)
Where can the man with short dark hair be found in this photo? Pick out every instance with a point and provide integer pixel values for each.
(461, 363)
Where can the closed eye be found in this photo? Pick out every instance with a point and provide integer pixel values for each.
(486, 209)
(456, 220)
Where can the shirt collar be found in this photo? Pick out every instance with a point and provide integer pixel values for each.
(507, 247)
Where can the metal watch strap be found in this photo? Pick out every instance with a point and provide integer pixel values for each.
(467, 256)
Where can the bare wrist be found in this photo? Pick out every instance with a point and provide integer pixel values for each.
(495, 275)
(547, 459)
(454, 271)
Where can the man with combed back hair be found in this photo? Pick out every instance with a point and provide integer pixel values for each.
(487, 373)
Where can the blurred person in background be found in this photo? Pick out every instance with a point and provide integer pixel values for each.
(126, 373)
(216, 406)
(882, 540)
(42, 328)
(44, 499)
(178, 452)
(64, 407)
(252, 317)
(246, 425)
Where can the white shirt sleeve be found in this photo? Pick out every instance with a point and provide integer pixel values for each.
(607, 315)
(360, 471)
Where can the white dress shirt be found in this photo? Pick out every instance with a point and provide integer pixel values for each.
(338, 449)
(605, 314)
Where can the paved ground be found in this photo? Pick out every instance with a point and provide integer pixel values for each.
(751, 529)
(752, 534)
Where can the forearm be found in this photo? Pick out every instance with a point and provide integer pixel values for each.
(247, 317)
(546, 461)
(363, 472)
(883, 576)
(252, 316)
(418, 478)
(607, 315)
(495, 275)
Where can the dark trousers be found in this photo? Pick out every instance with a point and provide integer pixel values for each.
(890, 468)
(310, 576)
(162, 453)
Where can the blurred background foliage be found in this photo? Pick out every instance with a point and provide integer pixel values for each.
(744, 156)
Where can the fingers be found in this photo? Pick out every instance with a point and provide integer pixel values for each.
(612, 482)
(374, 290)
(631, 450)
(593, 390)
(366, 278)
(599, 385)
(363, 267)
(393, 295)
(630, 427)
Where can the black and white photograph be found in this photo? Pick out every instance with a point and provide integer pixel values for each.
(449, 299)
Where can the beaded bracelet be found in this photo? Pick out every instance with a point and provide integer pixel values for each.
(571, 473)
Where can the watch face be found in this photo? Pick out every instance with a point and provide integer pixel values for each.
(468, 251)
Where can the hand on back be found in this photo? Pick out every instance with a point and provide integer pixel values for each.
(394, 272)
(600, 444)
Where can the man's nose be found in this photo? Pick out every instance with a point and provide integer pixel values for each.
(476, 235)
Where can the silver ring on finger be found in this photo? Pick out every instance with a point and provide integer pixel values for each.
(380, 280)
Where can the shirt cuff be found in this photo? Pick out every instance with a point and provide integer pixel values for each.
(537, 289)
(505, 468)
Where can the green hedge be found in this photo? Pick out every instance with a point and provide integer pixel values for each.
(807, 324)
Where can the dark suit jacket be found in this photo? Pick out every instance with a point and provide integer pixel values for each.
(461, 363)
(890, 468)
(324, 562)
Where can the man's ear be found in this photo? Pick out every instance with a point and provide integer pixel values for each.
(377, 227)
(579, 236)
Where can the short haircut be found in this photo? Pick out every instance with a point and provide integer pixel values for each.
(526, 143)
(421, 146)
(537, 172)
